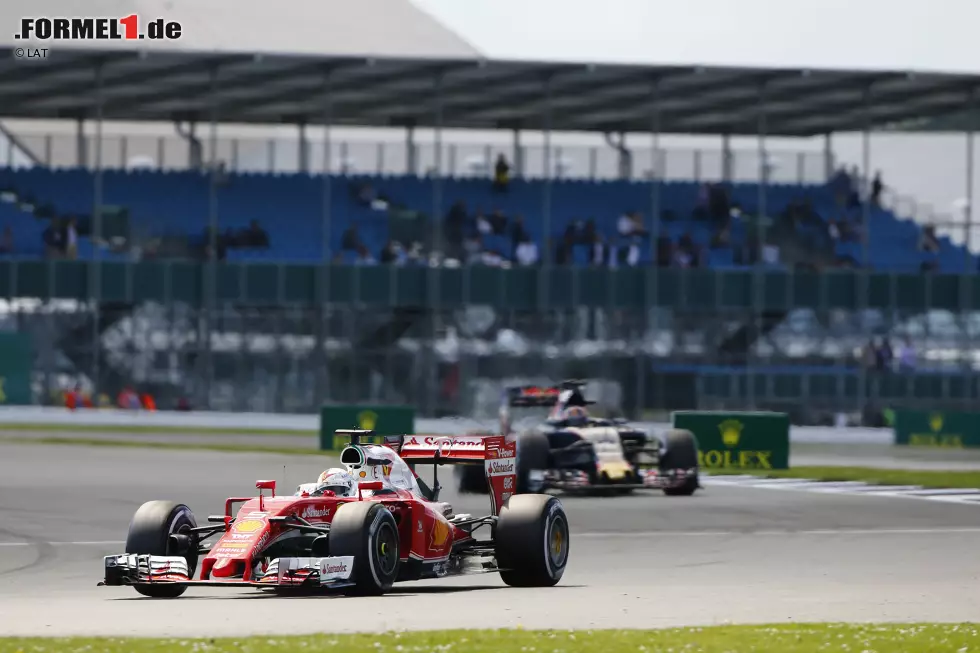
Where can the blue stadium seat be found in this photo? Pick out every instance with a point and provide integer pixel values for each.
(290, 208)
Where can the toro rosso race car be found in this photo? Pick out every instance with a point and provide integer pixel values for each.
(362, 527)
(572, 450)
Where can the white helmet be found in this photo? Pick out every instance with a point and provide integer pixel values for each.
(337, 480)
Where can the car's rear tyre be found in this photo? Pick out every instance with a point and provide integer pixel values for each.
(531, 540)
(681, 453)
(367, 531)
(149, 533)
(533, 454)
(471, 479)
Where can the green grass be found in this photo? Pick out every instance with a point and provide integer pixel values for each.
(797, 638)
(872, 475)
(183, 446)
(143, 428)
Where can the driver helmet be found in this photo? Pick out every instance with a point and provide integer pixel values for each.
(576, 416)
(337, 480)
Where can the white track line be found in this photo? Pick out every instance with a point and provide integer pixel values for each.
(783, 533)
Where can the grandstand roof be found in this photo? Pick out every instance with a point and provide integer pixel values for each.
(386, 76)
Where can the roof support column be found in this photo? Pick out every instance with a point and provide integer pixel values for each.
(652, 308)
(81, 143)
(828, 156)
(95, 236)
(757, 241)
(321, 380)
(726, 158)
(211, 278)
(411, 156)
(656, 170)
(303, 164)
(518, 154)
(968, 213)
(431, 380)
(548, 237)
(865, 394)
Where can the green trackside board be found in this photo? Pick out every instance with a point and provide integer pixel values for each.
(948, 429)
(383, 420)
(738, 440)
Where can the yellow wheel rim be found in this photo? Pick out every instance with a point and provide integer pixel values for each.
(556, 542)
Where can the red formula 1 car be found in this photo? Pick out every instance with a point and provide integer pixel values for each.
(389, 528)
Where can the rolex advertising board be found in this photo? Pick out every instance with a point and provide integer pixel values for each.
(383, 420)
(952, 430)
(729, 440)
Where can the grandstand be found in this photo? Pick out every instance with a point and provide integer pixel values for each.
(443, 81)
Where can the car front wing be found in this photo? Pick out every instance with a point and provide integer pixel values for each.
(651, 479)
(130, 569)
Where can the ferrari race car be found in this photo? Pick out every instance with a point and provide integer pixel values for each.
(574, 451)
(383, 525)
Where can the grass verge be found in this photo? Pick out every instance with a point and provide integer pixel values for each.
(872, 475)
(145, 428)
(797, 638)
(184, 446)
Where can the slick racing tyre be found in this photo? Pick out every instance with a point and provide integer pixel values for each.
(681, 453)
(367, 531)
(471, 479)
(533, 454)
(163, 528)
(531, 540)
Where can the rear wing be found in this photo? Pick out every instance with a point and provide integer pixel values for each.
(453, 449)
(556, 397)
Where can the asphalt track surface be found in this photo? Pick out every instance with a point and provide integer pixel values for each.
(726, 555)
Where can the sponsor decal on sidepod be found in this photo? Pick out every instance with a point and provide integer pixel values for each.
(315, 512)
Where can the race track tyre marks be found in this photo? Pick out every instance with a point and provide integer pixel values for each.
(149, 533)
(44, 551)
(681, 453)
(367, 530)
(532, 540)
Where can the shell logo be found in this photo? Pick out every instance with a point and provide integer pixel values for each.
(440, 533)
(249, 526)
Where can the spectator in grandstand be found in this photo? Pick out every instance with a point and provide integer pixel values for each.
(390, 253)
(928, 241)
(665, 252)
(563, 249)
(455, 226)
(518, 233)
(128, 399)
(906, 356)
(220, 247)
(599, 251)
(630, 224)
(842, 186)
(483, 226)
(350, 241)
(876, 188)
(365, 195)
(53, 239)
(498, 222)
(255, 236)
(526, 252)
(364, 256)
(71, 238)
(501, 174)
(7, 241)
(628, 254)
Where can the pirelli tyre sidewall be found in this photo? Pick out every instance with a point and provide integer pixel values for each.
(149, 534)
(532, 540)
(680, 452)
(367, 530)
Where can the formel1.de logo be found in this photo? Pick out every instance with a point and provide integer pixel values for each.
(126, 28)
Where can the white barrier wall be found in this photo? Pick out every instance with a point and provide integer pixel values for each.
(11, 416)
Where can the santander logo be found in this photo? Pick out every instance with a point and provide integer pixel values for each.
(497, 467)
(313, 512)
